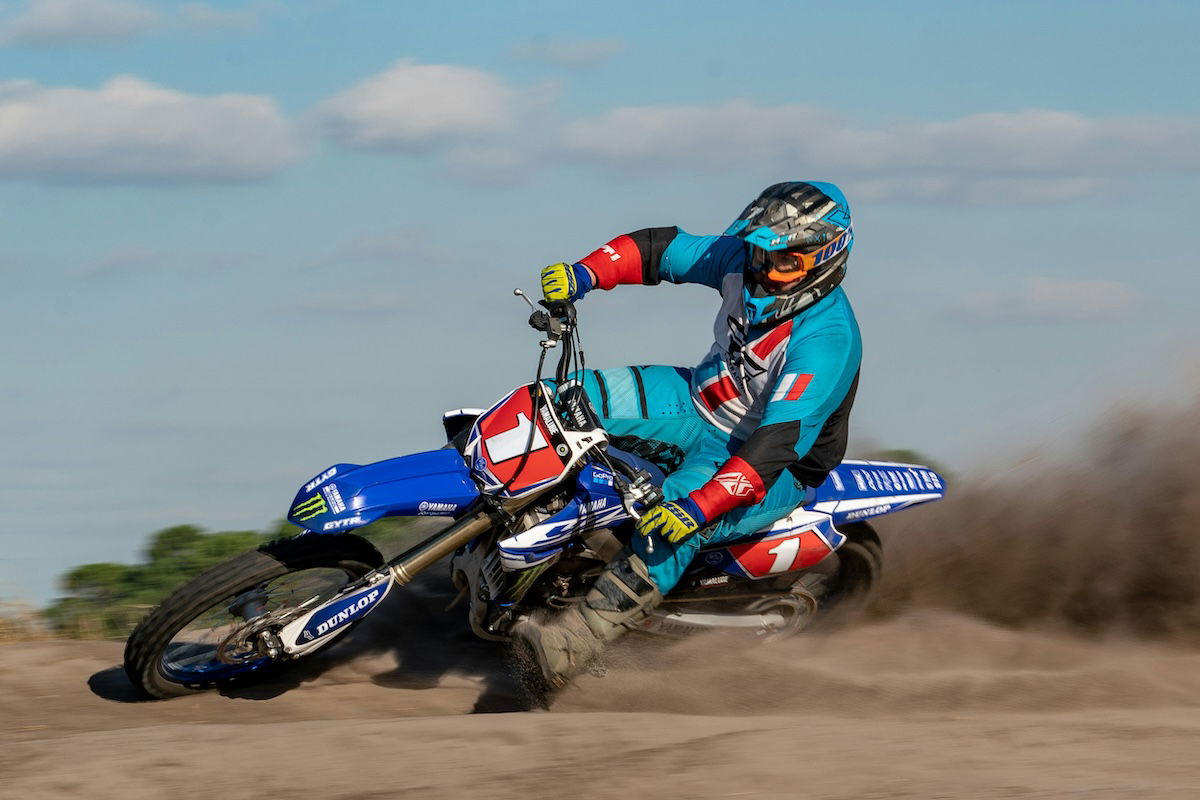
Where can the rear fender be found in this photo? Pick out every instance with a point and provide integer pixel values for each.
(347, 496)
(854, 491)
(857, 490)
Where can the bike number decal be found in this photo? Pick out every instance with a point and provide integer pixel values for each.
(785, 554)
(512, 443)
(508, 437)
(773, 556)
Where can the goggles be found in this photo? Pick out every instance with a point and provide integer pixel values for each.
(781, 266)
(786, 266)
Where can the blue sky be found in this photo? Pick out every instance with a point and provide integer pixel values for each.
(243, 241)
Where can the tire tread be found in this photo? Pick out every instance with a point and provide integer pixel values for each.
(149, 639)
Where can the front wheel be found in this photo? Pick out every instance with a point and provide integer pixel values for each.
(193, 640)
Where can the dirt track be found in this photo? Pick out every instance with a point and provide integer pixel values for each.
(1069, 666)
(925, 705)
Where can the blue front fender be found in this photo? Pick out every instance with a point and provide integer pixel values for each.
(347, 496)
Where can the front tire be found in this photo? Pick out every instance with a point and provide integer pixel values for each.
(183, 645)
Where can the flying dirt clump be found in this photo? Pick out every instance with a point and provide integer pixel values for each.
(1108, 542)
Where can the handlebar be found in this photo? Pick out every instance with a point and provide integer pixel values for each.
(559, 322)
(558, 318)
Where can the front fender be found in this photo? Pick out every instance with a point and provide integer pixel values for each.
(347, 496)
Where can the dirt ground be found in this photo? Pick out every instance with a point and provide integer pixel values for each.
(1034, 637)
(925, 704)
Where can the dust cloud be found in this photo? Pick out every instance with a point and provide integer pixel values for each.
(1102, 541)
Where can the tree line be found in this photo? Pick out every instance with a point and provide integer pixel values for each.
(106, 600)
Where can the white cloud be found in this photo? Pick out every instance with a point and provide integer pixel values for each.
(489, 131)
(689, 136)
(976, 190)
(576, 53)
(1025, 156)
(413, 106)
(129, 130)
(1050, 301)
(61, 22)
(1036, 141)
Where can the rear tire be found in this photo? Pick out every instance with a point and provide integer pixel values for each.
(860, 564)
(148, 652)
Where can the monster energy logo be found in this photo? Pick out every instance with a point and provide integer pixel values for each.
(312, 507)
(524, 580)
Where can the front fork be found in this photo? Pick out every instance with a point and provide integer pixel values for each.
(314, 627)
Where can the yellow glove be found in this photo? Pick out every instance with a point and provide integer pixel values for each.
(674, 521)
(565, 281)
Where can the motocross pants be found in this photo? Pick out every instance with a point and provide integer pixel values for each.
(655, 402)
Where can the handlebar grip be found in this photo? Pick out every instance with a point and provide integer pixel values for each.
(560, 309)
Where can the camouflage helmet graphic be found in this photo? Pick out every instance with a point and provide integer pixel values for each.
(808, 219)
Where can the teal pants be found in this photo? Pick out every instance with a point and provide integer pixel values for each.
(655, 403)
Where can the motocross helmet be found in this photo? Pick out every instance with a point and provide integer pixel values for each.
(799, 235)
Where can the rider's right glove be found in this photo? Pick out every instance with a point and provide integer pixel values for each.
(737, 483)
(674, 521)
(566, 281)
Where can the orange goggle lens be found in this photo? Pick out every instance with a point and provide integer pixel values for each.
(782, 266)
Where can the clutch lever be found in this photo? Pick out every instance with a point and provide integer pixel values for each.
(552, 326)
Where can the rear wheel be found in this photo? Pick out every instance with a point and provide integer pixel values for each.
(860, 563)
(196, 638)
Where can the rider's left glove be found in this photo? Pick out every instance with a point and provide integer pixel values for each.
(674, 521)
(566, 281)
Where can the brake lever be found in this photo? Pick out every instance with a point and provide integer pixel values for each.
(641, 490)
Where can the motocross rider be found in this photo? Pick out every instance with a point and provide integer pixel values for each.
(763, 416)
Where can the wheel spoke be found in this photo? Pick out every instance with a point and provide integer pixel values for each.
(218, 625)
(202, 649)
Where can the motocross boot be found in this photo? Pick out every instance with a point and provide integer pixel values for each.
(564, 646)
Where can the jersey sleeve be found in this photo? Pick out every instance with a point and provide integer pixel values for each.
(651, 255)
(702, 259)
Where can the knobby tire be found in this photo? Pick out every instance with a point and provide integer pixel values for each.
(147, 645)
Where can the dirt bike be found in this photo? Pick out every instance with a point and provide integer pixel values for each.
(539, 498)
